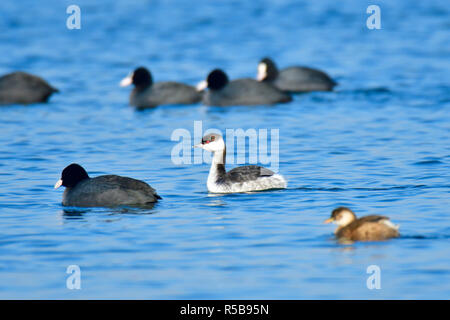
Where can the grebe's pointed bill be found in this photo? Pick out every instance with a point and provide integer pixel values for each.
(128, 80)
(202, 85)
(58, 184)
(329, 220)
(200, 145)
(262, 71)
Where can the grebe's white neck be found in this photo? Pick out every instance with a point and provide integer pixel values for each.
(217, 169)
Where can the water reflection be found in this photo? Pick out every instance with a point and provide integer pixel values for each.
(74, 213)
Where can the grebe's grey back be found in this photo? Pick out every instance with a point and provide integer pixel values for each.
(240, 179)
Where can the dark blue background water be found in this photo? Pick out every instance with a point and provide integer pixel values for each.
(379, 144)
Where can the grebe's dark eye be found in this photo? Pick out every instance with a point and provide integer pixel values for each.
(207, 141)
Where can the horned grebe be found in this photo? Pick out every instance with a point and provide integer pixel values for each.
(147, 94)
(222, 92)
(103, 191)
(240, 179)
(294, 79)
(368, 228)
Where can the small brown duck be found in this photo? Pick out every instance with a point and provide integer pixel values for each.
(368, 228)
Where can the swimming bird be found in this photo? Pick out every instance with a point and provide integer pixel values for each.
(368, 228)
(223, 92)
(103, 191)
(147, 94)
(24, 88)
(240, 179)
(294, 79)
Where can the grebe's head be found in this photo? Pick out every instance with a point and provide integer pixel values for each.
(267, 70)
(341, 216)
(212, 142)
(71, 175)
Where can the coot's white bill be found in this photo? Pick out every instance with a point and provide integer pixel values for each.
(202, 85)
(262, 71)
(128, 80)
(58, 184)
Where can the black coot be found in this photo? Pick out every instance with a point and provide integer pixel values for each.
(24, 88)
(294, 79)
(223, 92)
(147, 94)
(103, 191)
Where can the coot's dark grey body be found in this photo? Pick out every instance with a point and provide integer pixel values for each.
(147, 94)
(109, 191)
(102, 191)
(297, 78)
(164, 93)
(24, 88)
(303, 79)
(245, 92)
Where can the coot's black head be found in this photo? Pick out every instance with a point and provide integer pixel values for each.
(141, 78)
(267, 70)
(71, 175)
(217, 79)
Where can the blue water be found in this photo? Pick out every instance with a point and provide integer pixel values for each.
(379, 144)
